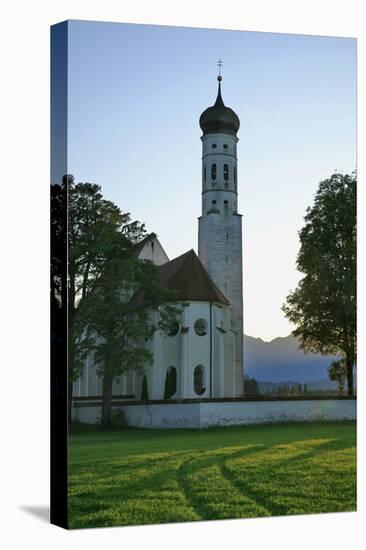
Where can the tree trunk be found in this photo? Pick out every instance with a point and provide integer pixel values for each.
(350, 363)
(107, 399)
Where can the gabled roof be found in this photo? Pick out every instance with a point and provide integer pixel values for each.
(187, 276)
(140, 245)
(150, 248)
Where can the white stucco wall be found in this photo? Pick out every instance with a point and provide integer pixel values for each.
(167, 353)
(204, 415)
(225, 413)
(184, 351)
(90, 384)
(220, 235)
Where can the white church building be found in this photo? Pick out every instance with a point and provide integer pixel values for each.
(203, 352)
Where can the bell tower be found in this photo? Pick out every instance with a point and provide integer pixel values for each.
(220, 225)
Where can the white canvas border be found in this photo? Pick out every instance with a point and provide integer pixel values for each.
(24, 354)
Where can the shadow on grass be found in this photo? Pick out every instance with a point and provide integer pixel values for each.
(220, 474)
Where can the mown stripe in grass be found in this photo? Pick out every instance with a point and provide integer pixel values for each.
(298, 483)
(137, 477)
(212, 495)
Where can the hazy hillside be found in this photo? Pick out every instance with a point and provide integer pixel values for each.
(281, 360)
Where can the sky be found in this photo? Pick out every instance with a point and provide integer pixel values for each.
(135, 94)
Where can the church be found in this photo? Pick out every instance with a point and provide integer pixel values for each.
(203, 352)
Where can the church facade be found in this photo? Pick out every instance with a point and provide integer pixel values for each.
(203, 351)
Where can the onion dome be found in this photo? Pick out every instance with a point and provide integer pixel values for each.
(219, 118)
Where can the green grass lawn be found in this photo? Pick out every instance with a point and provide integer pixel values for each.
(135, 476)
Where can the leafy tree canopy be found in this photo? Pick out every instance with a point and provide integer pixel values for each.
(323, 306)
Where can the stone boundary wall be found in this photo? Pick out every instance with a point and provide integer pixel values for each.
(204, 414)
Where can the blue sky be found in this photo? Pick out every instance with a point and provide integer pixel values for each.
(135, 96)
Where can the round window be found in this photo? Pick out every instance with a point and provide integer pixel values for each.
(200, 327)
(173, 329)
(199, 380)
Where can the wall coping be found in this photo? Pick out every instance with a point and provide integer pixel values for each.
(116, 400)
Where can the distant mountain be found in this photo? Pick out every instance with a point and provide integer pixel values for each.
(281, 360)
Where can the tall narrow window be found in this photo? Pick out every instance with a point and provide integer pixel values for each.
(234, 174)
(226, 172)
(213, 171)
(170, 382)
(199, 380)
(204, 173)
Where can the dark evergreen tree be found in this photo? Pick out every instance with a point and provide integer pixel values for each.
(144, 390)
(251, 386)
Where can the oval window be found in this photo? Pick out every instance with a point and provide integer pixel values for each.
(173, 329)
(200, 326)
(199, 380)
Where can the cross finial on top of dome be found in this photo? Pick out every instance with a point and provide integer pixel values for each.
(219, 64)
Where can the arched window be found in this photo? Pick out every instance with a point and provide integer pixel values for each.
(213, 171)
(199, 380)
(170, 382)
(226, 172)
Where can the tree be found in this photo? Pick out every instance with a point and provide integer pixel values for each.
(92, 223)
(251, 386)
(337, 371)
(102, 271)
(144, 391)
(323, 306)
(120, 323)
